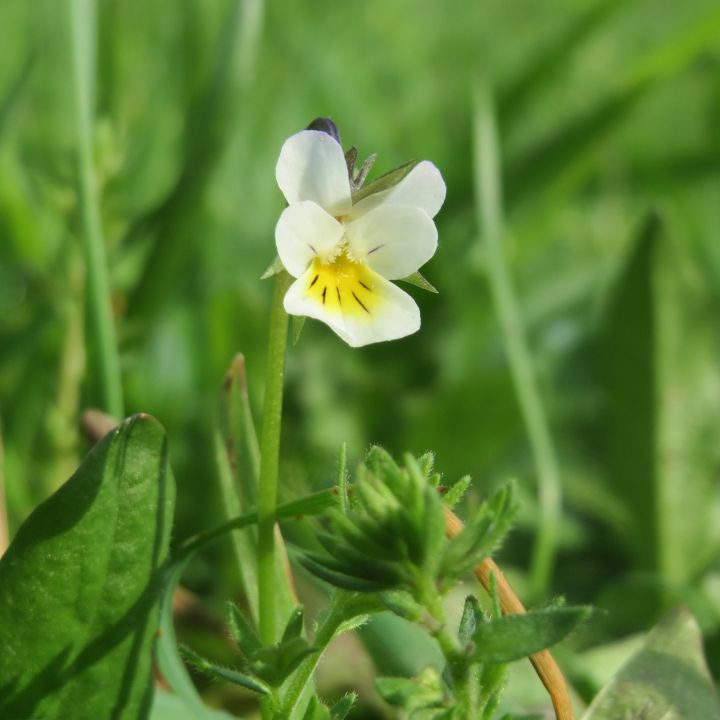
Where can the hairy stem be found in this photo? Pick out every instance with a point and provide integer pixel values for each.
(269, 458)
(464, 688)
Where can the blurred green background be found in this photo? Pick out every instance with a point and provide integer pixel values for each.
(608, 116)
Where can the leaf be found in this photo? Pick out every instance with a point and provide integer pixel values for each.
(316, 710)
(667, 678)
(481, 535)
(353, 623)
(398, 647)
(385, 182)
(244, 541)
(456, 493)
(295, 625)
(423, 692)
(659, 350)
(167, 706)
(403, 604)
(167, 654)
(313, 504)
(326, 570)
(289, 656)
(472, 616)
(81, 584)
(220, 673)
(241, 630)
(340, 710)
(502, 640)
(168, 658)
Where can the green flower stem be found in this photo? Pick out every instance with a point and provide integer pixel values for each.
(269, 458)
(489, 207)
(465, 684)
(82, 27)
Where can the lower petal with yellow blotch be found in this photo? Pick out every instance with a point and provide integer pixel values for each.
(360, 305)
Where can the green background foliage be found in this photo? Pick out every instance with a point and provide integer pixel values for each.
(607, 118)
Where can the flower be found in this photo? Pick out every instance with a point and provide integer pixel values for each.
(344, 254)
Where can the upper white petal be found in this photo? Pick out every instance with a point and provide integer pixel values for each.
(312, 166)
(397, 315)
(303, 231)
(394, 240)
(423, 187)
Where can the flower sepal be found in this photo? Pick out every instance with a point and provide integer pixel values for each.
(384, 182)
(275, 267)
(419, 281)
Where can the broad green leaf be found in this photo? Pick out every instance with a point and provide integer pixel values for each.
(659, 355)
(81, 585)
(502, 640)
(666, 679)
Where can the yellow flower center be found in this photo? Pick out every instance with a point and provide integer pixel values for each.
(344, 286)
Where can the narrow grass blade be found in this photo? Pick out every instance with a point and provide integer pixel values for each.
(82, 26)
(488, 201)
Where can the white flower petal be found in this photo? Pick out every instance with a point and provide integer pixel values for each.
(362, 310)
(305, 231)
(312, 166)
(394, 240)
(423, 187)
